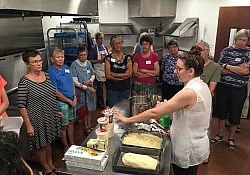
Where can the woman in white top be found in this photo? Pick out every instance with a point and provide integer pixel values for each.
(191, 109)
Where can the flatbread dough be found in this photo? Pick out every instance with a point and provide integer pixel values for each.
(139, 161)
(142, 140)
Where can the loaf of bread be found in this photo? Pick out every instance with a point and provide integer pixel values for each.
(142, 140)
(139, 161)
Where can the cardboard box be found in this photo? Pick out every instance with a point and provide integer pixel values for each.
(78, 165)
(85, 155)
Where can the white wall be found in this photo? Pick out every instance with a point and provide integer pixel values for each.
(53, 22)
(113, 11)
(208, 12)
(110, 11)
(116, 11)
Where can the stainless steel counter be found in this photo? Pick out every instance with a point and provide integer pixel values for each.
(114, 142)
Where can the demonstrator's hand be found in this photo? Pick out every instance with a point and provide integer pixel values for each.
(120, 117)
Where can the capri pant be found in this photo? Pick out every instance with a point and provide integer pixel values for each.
(229, 102)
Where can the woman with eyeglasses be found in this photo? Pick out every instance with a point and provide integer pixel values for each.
(231, 91)
(118, 70)
(83, 77)
(36, 99)
(191, 109)
(61, 78)
(145, 68)
(97, 56)
(170, 82)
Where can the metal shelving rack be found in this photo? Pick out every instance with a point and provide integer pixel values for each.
(68, 39)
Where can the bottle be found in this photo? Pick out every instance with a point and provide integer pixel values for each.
(164, 120)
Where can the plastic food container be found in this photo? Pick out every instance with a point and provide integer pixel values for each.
(110, 117)
(110, 128)
(103, 122)
(102, 135)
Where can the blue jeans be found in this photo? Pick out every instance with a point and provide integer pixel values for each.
(115, 96)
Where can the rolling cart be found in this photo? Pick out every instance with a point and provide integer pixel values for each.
(68, 39)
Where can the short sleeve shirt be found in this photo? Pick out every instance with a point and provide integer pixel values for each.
(146, 63)
(62, 80)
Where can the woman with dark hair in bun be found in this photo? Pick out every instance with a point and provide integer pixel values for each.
(191, 109)
(11, 161)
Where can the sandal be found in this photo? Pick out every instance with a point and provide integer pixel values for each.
(231, 144)
(217, 139)
(238, 129)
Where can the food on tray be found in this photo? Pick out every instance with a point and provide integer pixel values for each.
(139, 161)
(142, 140)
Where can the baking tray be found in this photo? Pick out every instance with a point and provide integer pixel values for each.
(145, 132)
(118, 166)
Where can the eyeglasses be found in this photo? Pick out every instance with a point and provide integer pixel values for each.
(36, 62)
(204, 50)
(83, 55)
(145, 43)
(178, 69)
(100, 38)
(173, 46)
(117, 43)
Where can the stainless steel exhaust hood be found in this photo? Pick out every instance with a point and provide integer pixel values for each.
(186, 34)
(117, 29)
(188, 28)
(48, 7)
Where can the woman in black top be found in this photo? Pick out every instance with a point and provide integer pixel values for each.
(118, 69)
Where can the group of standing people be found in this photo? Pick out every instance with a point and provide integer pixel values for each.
(49, 102)
(231, 91)
(191, 105)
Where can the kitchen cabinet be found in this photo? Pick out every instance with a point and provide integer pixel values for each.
(149, 8)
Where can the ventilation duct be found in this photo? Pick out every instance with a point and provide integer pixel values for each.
(14, 8)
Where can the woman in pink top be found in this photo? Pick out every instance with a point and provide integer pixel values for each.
(4, 102)
(146, 68)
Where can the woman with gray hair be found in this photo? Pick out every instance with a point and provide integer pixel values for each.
(231, 91)
(118, 70)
